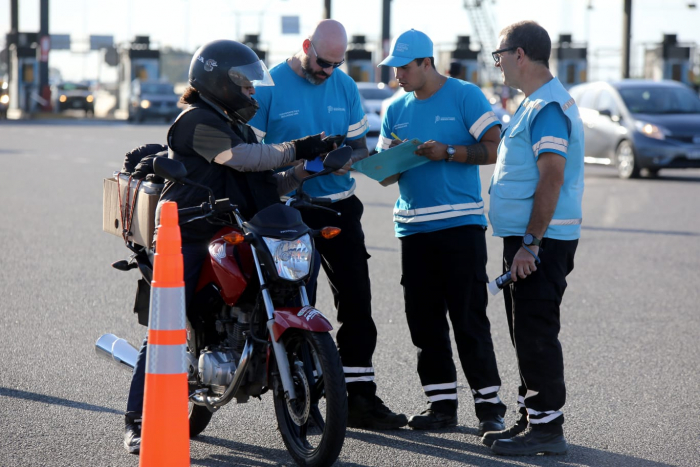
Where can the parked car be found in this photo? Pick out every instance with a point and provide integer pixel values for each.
(73, 96)
(638, 125)
(375, 126)
(373, 94)
(153, 99)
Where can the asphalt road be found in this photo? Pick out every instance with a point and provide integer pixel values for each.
(630, 323)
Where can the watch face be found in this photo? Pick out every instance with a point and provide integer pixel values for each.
(527, 239)
(450, 150)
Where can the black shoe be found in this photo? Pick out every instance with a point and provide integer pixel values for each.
(491, 436)
(132, 436)
(432, 420)
(494, 423)
(530, 443)
(371, 413)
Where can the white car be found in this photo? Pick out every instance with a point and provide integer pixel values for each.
(373, 94)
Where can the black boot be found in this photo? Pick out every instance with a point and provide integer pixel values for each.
(370, 412)
(532, 442)
(434, 418)
(492, 423)
(491, 436)
(132, 435)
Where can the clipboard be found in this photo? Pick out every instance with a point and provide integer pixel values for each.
(392, 161)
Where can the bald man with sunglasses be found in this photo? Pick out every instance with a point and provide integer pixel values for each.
(310, 96)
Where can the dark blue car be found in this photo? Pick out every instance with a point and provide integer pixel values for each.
(640, 125)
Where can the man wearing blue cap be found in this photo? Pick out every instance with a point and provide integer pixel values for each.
(439, 219)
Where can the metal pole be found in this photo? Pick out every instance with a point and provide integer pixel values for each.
(327, 9)
(626, 38)
(45, 45)
(386, 37)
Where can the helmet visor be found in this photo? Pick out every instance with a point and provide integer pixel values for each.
(253, 74)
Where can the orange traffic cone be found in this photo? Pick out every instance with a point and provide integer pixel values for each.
(165, 433)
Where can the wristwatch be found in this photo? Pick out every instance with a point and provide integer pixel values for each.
(450, 153)
(531, 240)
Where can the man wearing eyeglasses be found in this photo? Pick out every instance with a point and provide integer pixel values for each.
(439, 220)
(311, 94)
(536, 193)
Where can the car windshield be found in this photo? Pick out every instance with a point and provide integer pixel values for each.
(660, 100)
(73, 87)
(376, 93)
(157, 88)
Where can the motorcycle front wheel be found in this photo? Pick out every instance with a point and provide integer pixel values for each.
(313, 425)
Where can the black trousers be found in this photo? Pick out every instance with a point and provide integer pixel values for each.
(445, 272)
(532, 309)
(344, 259)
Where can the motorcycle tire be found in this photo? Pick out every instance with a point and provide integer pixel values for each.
(313, 427)
(199, 417)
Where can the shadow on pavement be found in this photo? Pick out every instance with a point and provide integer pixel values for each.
(640, 231)
(33, 396)
(473, 453)
(241, 454)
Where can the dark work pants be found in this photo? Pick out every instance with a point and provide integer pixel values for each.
(445, 272)
(532, 309)
(193, 257)
(344, 259)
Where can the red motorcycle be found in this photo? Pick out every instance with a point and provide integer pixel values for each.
(247, 340)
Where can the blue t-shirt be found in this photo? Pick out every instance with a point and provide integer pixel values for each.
(294, 108)
(439, 195)
(550, 131)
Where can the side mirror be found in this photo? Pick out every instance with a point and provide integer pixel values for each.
(605, 112)
(169, 169)
(337, 158)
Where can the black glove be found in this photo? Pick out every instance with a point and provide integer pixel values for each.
(310, 147)
(145, 167)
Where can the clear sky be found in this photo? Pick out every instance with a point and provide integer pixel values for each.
(186, 24)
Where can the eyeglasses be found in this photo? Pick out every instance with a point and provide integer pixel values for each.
(323, 63)
(497, 54)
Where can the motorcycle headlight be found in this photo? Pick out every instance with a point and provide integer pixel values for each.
(292, 257)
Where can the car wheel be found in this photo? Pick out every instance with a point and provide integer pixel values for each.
(625, 161)
(652, 173)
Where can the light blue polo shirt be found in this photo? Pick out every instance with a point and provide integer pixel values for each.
(439, 195)
(294, 108)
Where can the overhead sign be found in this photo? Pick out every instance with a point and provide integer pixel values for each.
(101, 42)
(290, 25)
(60, 41)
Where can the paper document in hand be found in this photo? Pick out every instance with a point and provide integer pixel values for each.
(392, 161)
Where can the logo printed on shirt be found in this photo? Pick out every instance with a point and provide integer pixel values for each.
(398, 126)
(444, 119)
(335, 109)
(291, 113)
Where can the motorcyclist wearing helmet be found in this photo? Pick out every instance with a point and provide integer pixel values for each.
(219, 150)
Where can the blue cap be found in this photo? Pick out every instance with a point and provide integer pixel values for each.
(407, 47)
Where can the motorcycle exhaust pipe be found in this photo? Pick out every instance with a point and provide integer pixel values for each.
(117, 350)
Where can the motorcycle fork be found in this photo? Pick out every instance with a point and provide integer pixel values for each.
(277, 347)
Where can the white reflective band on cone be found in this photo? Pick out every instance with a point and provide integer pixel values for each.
(166, 306)
(165, 359)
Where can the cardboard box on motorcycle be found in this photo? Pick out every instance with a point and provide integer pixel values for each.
(144, 209)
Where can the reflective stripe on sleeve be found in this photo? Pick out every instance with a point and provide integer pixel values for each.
(487, 119)
(358, 128)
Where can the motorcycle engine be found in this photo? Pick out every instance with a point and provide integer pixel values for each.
(216, 368)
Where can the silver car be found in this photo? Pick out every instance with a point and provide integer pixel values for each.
(640, 125)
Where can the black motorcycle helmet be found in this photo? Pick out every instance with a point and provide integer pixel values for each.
(221, 68)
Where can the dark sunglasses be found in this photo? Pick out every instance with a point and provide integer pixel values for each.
(497, 54)
(322, 63)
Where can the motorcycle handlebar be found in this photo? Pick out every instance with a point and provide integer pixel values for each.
(204, 208)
